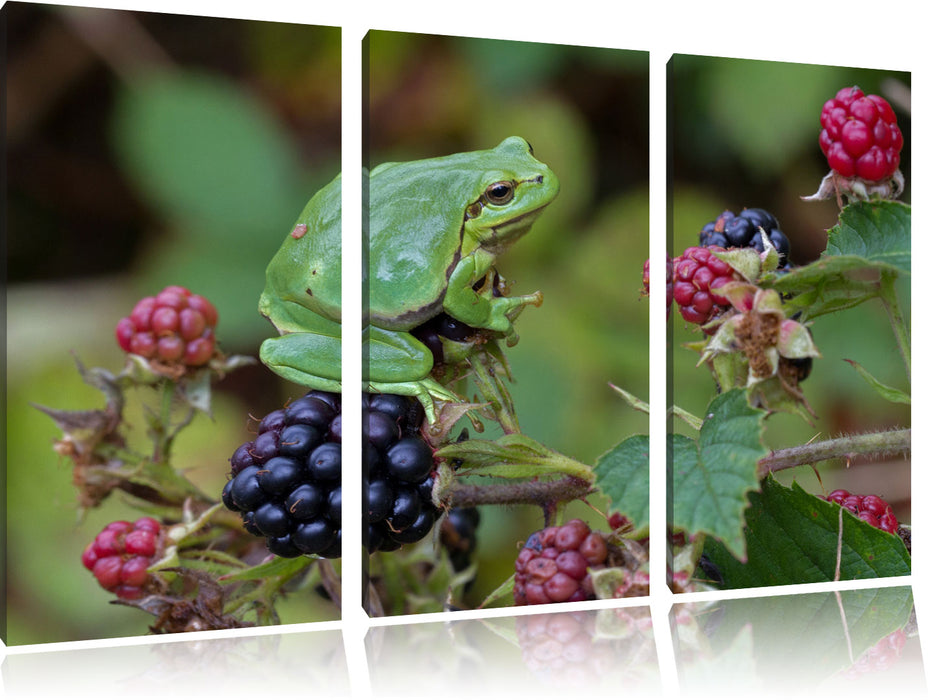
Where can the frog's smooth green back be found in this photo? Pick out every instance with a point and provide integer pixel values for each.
(307, 270)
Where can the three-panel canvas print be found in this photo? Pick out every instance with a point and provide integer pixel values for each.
(178, 269)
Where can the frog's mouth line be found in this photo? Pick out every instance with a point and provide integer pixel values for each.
(504, 234)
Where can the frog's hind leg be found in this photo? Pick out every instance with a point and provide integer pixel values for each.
(395, 362)
(318, 356)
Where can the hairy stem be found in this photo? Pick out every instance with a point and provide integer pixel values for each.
(889, 442)
(539, 493)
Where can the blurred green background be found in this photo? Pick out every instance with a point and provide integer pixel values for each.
(143, 150)
(744, 133)
(585, 112)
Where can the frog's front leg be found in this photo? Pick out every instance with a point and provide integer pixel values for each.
(308, 359)
(395, 362)
(483, 309)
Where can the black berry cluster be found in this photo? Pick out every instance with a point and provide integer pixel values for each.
(286, 483)
(743, 231)
(459, 535)
(399, 473)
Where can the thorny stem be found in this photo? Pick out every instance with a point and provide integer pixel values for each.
(889, 442)
(540, 493)
(901, 333)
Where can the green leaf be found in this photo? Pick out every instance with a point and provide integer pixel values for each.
(824, 286)
(512, 456)
(278, 566)
(710, 479)
(632, 401)
(624, 476)
(887, 392)
(793, 537)
(878, 232)
(502, 591)
(869, 236)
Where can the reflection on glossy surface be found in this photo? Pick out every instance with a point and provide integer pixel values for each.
(298, 663)
(542, 653)
(843, 640)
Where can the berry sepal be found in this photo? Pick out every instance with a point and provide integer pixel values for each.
(759, 347)
(836, 185)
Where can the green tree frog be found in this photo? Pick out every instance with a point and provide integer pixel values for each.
(435, 228)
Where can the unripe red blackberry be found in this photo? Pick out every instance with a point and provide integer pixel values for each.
(174, 327)
(669, 282)
(697, 275)
(872, 509)
(860, 137)
(553, 565)
(121, 554)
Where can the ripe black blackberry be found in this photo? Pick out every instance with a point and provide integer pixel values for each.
(398, 473)
(459, 535)
(743, 231)
(286, 483)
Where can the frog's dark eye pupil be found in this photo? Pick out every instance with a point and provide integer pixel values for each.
(499, 192)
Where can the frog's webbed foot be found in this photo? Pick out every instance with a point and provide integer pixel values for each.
(427, 390)
(513, 311)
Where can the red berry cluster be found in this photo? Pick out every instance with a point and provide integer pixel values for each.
(697, 274)
(553, 565)
(860, 137)
(669, 282)
(872, 509)
(175, 326)
(121, 554)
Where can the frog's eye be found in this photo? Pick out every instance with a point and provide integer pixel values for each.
(500, 192)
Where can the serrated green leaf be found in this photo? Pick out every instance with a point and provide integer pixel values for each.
(824, 286)
(887, 392)
(711, 478)
(878, 232)
(869, 236)
(793, 537)
(623, 474)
